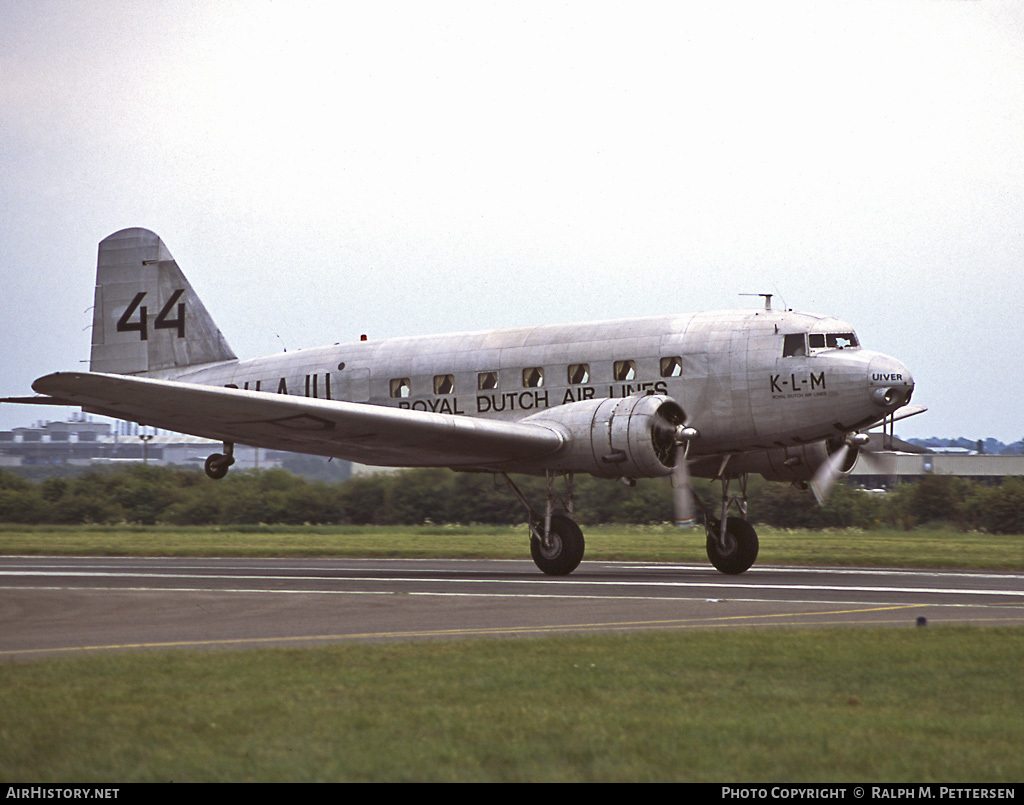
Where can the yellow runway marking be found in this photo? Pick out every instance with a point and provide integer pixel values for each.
(469, 631)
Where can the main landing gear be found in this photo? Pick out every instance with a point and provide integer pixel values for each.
(556, 542)
(731, 541)
(561, 552)
(218, 464)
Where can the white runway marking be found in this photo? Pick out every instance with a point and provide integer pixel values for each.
(571, 583)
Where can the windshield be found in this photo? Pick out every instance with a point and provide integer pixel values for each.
(833, 341)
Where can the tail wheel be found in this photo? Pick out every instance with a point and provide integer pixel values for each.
(217, 465)
(740, 549)
(564, 551)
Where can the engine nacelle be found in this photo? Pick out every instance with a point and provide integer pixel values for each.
(631, 437)
(797, 463)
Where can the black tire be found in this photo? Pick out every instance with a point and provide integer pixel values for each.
(741, 547)
(217, 466)
(566, 551)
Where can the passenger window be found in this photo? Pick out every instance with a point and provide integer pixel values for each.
(444, 384)
(794, 346)
(487, 381)
(624, 370)
(579, 373)
(400, 387)
(672, 367)
(533, 377)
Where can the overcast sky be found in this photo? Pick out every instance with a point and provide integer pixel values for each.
(321, 170)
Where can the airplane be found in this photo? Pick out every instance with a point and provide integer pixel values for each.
(718, 395)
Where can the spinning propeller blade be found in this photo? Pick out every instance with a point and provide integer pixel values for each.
(672, 437)
(828, 473)
(682, 492)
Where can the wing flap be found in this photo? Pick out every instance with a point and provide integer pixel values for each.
(368, 434)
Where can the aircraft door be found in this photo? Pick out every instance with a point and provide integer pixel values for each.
(352, 384)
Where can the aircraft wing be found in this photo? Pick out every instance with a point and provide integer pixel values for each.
(368, 434)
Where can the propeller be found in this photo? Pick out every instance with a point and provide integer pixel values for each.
(673, 436)
(832, 468)
(682, 493)
(864, 445)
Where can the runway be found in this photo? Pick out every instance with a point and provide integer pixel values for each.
(61, 605)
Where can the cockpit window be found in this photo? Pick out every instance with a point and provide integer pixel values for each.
(833, 341)
(841, 340)
(795, 345)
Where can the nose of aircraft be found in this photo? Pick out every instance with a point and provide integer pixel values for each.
(890, 381)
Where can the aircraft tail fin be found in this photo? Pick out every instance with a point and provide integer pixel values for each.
(146, 315)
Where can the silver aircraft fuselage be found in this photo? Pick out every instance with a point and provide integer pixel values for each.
(748, 380)
(722, 395)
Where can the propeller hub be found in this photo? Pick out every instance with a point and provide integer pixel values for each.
(685, 433)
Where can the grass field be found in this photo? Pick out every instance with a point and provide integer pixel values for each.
(850, 547)
(919, 705)
(770, 705)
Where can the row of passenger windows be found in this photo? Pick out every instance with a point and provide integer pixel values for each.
(533, 377)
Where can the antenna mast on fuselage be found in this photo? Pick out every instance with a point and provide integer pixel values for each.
(767, 298)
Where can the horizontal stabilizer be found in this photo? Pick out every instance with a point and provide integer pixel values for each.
(37, 400)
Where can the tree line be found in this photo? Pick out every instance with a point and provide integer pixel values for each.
(152, 495)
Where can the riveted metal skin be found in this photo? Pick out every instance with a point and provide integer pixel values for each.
(614, 438)
(766, 389)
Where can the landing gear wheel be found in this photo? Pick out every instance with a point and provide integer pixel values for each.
(565, 551)
(217, 465)
(740, 549)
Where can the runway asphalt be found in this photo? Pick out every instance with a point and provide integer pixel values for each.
(62, 605)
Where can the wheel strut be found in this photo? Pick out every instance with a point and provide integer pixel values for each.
(732, 543)
(217, 465)
(556, 542)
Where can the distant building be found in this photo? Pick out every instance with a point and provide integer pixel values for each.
(886, 469)
(84, 442)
